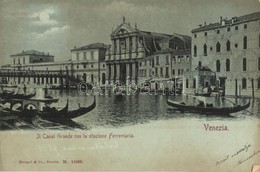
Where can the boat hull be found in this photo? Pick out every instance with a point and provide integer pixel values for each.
(207, 110)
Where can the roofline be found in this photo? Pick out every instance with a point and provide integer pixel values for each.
(31, 54)
(203, 28)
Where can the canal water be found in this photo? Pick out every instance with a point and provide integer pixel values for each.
(140, 108)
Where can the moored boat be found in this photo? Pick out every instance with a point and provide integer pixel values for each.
(207, 110)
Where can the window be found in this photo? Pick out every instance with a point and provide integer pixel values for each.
(245, 26)
(77, 66)
(24, 60)
(92, 55)
(156, 71)
(187, 83)
(258, 63)
(84, 66)
(205, 33)
(167, 59)
(236, 28)
(195, 35)
(77, 56)
(218, 66)
(244, 64)
(228, 45)
(244, 83)
(258, 83)
(194, 83)
(157, 60)
(205, 49)
(140, 64)
(92, 66)
(161, 71)
(227, 65)
(104, 65)
(218, 47)
(18, 61)
(85, 56)
(14, 61)
(167, 72)
(200, 64)
(173, 71)
(228, 29)
(218, 31)
(179, 71)
(195, 48)
(245, 42)
(259, 40)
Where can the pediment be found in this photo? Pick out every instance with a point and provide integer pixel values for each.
(122, 29)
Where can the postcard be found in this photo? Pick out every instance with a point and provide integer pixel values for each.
(127, 85)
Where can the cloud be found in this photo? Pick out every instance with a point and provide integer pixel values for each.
(52, 32)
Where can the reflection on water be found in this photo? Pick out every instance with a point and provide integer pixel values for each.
(117, 111)
(141, 108)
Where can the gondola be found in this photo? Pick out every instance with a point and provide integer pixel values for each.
(207, 110)
(11, 95)
(65, 114)
(5, 94)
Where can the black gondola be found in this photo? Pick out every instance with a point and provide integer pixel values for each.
(11, 95)
(207, 110)
(65, 114)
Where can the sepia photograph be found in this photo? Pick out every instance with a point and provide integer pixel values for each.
(130, 85)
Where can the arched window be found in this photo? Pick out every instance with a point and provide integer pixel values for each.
(218, 47)
(245, 42)
(228, 45)
(200, 64)
(218, 66)
(195, 50)
(244, 64)
(205, 50)
(227, 65)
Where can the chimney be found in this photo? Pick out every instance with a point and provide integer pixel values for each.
(200, 25)
(205, 23)
(75, 47)
(220, 19)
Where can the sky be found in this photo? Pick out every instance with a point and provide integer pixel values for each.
(57, 26)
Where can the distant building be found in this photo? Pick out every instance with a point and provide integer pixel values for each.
(231, 49)
(129, 46)
(37, 68)
(88, 62)
(164, 66)
(30, 57)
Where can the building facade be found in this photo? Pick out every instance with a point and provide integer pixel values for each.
(164, 66)
(231, 49)
(36, 68)
(89, 62)
(129, 46)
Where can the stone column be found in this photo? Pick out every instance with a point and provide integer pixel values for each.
(133, 72)
(112, 46)
(112, 73)
(108, 72)
(117, 46)
(127, 70)
(117, 71)
(134, 44)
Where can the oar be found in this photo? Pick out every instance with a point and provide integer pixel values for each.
(235, 104)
